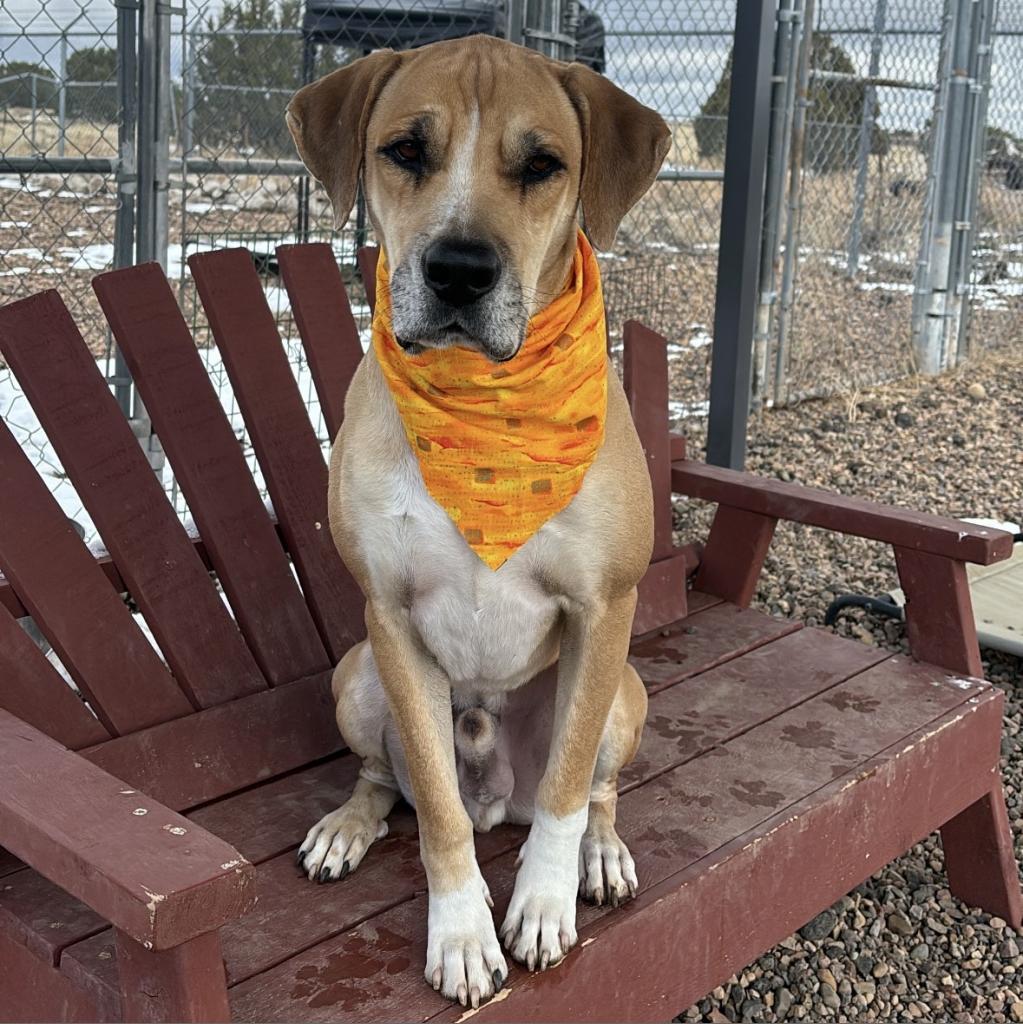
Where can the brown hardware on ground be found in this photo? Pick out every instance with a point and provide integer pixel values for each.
(780, 766)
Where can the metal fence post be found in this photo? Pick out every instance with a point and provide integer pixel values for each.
(742, 205)
(866, 137)
(932, 339)
(154, 133)
(62, 96)
(971, 168)
(783, 94)
(794, 212)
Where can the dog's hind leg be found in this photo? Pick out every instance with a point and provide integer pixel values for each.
(336, 844)
(607, 872)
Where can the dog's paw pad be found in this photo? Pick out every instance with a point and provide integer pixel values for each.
(607, 872)
(336, 844)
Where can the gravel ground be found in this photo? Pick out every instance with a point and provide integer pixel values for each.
(899, 947)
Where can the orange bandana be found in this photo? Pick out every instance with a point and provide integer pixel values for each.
(504, 447)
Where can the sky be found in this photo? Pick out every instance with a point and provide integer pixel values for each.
(667, 65)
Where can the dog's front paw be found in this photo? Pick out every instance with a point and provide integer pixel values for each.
(607, 872)
(463, 957)
(540, 926)
(336, 844)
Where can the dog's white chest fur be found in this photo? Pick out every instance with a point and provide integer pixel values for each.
(487, 629)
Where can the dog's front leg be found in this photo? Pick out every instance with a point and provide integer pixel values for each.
(463, 957)
(540, 926)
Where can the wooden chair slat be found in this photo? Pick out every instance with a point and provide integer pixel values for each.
(645, 365)
(237, 530)
(282, 435)
(156, 558)
(368, 256)
(220, 750)
(330, 336)
(87, 623)
(32, 689)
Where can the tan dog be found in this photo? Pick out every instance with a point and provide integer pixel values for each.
(475, 156)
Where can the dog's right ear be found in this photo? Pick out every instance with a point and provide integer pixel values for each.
(328, 120)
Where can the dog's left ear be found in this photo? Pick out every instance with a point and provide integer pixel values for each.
(328, 119)
(624, 144)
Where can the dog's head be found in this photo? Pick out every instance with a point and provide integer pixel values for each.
(476, 156)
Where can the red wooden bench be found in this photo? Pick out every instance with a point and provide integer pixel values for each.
(151, 823)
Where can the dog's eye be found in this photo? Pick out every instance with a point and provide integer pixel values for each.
(541, 166)
(406, 151)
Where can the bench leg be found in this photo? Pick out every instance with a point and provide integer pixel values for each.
(980, 861)
(186, 983)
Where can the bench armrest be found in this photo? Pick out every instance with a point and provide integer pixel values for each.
(152, 873)
(917, 531)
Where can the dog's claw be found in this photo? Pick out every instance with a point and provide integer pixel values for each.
(345, 868)
(614, 897)
(324, 876)
(462, 994)
(545, 960)
(474, 998)
(498, 982)
(438, 978)
(531, 959)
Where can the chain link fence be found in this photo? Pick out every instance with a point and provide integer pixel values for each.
(138, 131)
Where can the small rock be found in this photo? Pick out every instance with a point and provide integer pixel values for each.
(977, 392)
(752, 1010)
(904, 419)
(827, 978)
(1016, 1011)
(820, 927)
(1009, 949)
(997, 923)
(864, 965)
(829, 997)
(782, 1003)
(900, 924)
(920, 952)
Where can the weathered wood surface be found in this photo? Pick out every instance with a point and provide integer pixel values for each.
(684, 721)
(90, 628)
(323, 314)
(734, 554)
(138, 864)
(919, 531)
(209, 465)
(102, 457)
(220, 750)
(282, 435)
(743, 791)
(31, 689)
(31, 990)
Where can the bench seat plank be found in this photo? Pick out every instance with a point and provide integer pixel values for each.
(684, 720)
(726, 799)
(209, 465)
(709, 636)
(126, 500)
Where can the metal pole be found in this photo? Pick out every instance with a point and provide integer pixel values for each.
(127, 178)
(32, 87)
(742, 208)
(932, 344)
(783, 91)
(866, 135)
(514, 24)
(161, 183)
(974, 172)
(62, 96)
(304, 182)
(794, 212)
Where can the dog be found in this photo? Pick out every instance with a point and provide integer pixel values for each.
(483, 696)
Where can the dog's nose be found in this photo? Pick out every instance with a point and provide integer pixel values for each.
(459, 272)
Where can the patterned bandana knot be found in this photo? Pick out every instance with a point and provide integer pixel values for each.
(504, 447)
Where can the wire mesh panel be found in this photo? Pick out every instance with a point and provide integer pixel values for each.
(995, 305)
(863, 178)
(59, 177)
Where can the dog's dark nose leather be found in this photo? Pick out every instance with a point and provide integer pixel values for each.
(460, 272)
